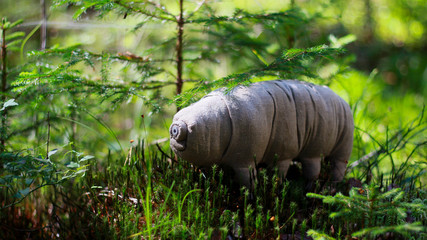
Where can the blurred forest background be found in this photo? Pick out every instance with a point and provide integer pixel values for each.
(92, 79)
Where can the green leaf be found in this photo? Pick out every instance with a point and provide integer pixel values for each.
(73, 165)
(316, 235)
(292, 52)
(9, 103)
(398, 197)
(83, 9)
(402, 229)
(340, 42)
(260, 57)
(401, 212)
(341, 213)
(28, 181)
(52, 152)
(6, 25)
(27, 38)
(86, 158)
(14, 35)
(315, 195)
(13, 49)
(14, 43)
(390, 193)
(16, 23)
(80, 171)
(22, 193)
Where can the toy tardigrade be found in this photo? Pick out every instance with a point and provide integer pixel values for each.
(286, 119)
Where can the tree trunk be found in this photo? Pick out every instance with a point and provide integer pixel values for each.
(179, 42)
(3, 89)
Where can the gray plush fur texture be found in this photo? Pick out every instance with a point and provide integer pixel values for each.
(284, 119)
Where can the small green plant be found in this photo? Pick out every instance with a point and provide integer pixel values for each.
(317, 235)
(23, 174)
(369, 212)
(9, 43)
(22, 171)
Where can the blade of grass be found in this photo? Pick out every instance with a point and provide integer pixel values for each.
(26, 40)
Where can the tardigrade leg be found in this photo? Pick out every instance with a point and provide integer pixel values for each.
(242, 175)
(283, 168)
(311, 167)
(338, 168)
(339, 157)
(311, 171)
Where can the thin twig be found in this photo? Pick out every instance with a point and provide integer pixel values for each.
(161, 150)
(196, 9)
(146, 13)
(161, 8)
(48, 135)
(3, 87)
(236, 18)
(366, 157)
(179, 43)
(35, 189)
(127, 56)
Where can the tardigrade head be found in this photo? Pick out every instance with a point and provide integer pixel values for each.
(178, 135)
(201, 132)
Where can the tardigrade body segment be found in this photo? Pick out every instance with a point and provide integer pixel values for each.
(284, 119)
